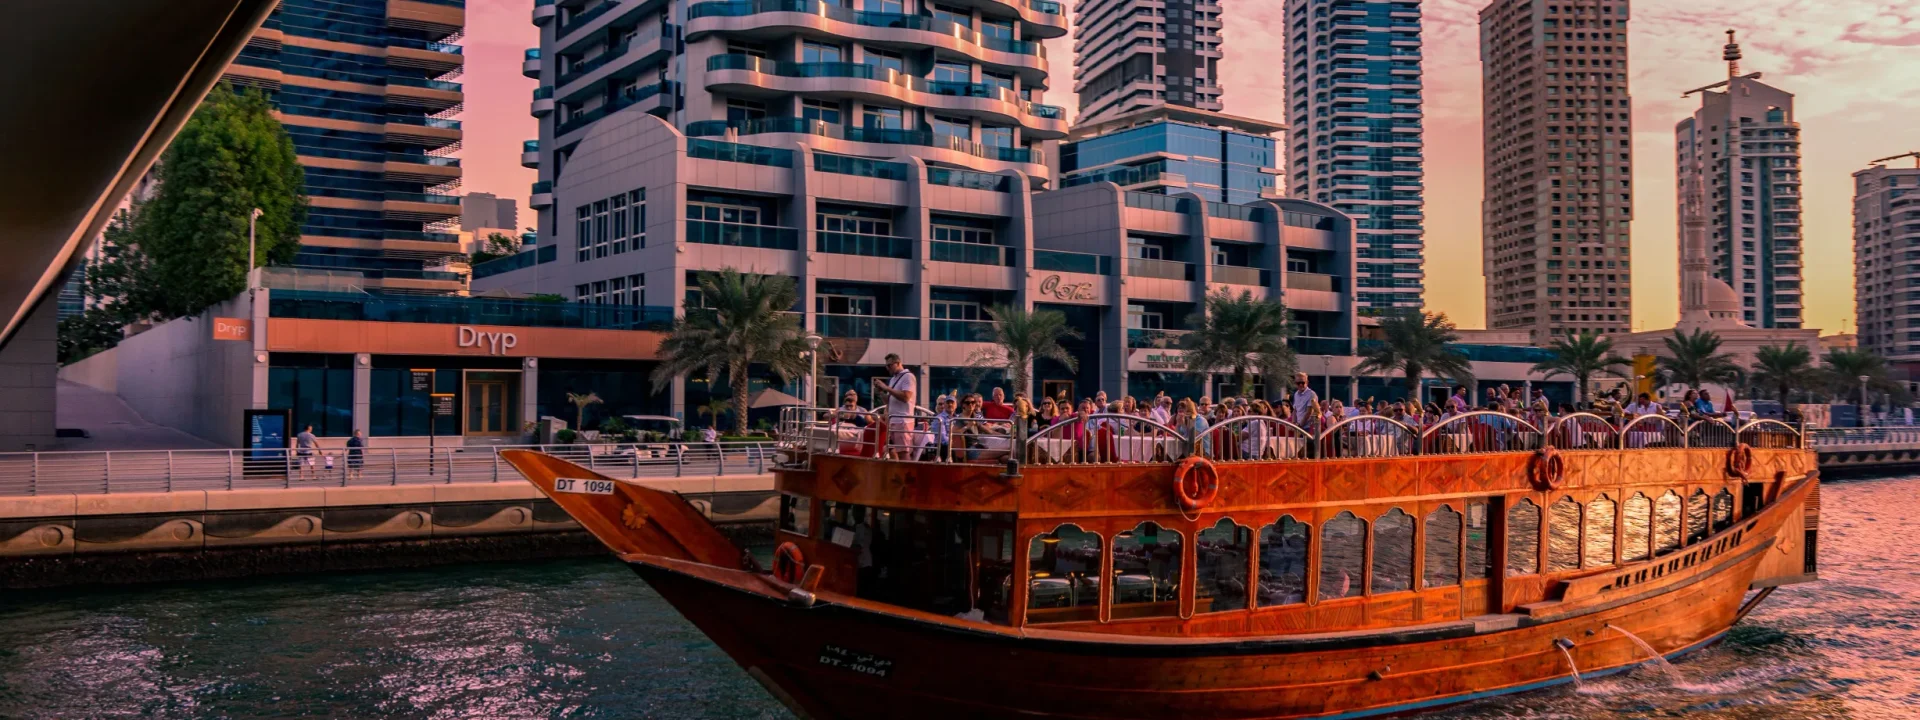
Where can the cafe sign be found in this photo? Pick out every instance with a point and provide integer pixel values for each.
(1156, 360)
(1059, 289)
(494, 343)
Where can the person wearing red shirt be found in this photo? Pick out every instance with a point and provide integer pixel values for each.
(997, 409)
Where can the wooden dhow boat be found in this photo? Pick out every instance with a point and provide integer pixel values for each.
(1111, 568)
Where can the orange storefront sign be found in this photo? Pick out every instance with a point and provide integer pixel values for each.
(395, 338)
(232, 329)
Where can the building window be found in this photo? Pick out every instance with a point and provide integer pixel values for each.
(1343, 557)
(1146, 572)
(1063, 576)
(883, 61)
(637, 218)
(952, 72)
(583, 233)
(882, 117)
(822, 111)
(601, 240)
(819, 52)
(1283, 563)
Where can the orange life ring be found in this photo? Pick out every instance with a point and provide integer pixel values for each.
(1548, 470)
(788, 563)
(1196, 483)
(1740, 460)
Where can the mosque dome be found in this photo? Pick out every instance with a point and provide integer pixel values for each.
(1722, 301)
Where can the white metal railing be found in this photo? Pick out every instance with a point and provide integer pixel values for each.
(1835, 437)
(1257, 438)
(125, 471)
(1480, 432)
(1583, 431)
(1110, 438)
(1368, 436)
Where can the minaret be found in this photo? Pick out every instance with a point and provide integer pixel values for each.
(1695, 271)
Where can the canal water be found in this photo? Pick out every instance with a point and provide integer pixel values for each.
(586, 639)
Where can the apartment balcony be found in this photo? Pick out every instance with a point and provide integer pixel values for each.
(971, 253)
(1163, 269)
(1313, 281)
(436, 19)
(867, 326)
(1025, 57)
(1030, 160)
(421, 168)
(434, 58)
(759, 76)
(542, 195)
(657, 99)
(432, 96)
(530, 66)
(707, 232)
(1238, 275)
(530, 154)
(1309, 345)
(543, 12)
(960, 330)
(1075, 262)
(430, 132)
(424, 207)
(841, 243)
(542, 101)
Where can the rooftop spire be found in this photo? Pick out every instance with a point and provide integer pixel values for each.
(1732, 55)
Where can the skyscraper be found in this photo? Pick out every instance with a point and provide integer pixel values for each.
(1744, 145)
(1135, 54)
(1886, 203)
(365, 90)
(1558, 172)
(1353, 86)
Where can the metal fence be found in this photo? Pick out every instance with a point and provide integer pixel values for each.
(1830, 437)
(51, 473)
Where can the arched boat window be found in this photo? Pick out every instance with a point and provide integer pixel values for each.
(1393, 552)
(1284, 548)
(1563, 535)
(1220, 567)
(1697, 517)
(1442, 553)
(1479, 550)
(1666, 524)
(1523, 539)
(1063, 576)
(1343, 557)
(1722, 510)
(1146, 572)
(1599, 533)
(1636, 528)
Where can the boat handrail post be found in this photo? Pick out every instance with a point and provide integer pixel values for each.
(1019, 446)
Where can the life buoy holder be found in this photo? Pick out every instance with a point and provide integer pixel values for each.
(1196, 483)
(1548, 469)
(788, 563)
(1740, 460)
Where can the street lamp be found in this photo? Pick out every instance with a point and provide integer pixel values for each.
(253, 218)
(1863, 400)
(813, 369)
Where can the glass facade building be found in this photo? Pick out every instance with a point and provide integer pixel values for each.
(1131, 55)
(1220, 164)
(365, 89)
(1354, 93)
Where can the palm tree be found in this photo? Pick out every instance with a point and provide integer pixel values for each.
(1694, 359)
(1239, 335)
(714, 409)
(1414, 343)
(1020, 337)
(1582, 356)
(1846, 367)
(1783, 367)
(580, 402)
(743, 320)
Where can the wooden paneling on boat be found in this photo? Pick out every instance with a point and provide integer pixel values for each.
(828, 652)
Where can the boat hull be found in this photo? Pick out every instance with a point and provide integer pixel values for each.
(811, 658)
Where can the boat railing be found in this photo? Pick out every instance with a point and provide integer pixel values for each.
(1106, 439)
(1711, 433)
(1583, 431)
(922, 437)
(1256, 438)
(1770, 434)
(807, 431)
(1368, 436)
(1652, 431)
(1480, 431)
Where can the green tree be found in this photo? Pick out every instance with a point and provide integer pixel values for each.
(87, 333)
(1240, 335)
(1020, 337)
(716, 409)
(580, 402)
(494, 247)
(1783, 368)
(1413, 344)
(1581, 357)
(1694, 359)
(1844, 368)
(743, 320)
(232, 156)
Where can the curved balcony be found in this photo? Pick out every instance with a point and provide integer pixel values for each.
(1047, 19)
(542, 101)
(746, 74)
(530, 154)
(543, 12)
(627, 59)
(530, 66)
(658, 98)
(542, 195)
(784, 17)
(849, 140)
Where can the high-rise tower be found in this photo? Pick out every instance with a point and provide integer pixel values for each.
(1558, 172)
(1135, 54)
(1353, 86)
(1885, 202)
(1744, 146)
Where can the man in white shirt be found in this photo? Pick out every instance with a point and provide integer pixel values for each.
(1162, 411)
(1644, 405)
(899, 388)
(1303, 399)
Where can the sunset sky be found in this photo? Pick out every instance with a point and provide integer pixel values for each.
(1852, 63)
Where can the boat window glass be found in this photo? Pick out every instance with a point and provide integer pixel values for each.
(1722, 511)
(1523, 539)
(1599, 535)
(1063, 576)
(840, 522)
(1637, 529)
(1443, 549)
(794, 514)
(1563, 536)
(1666, 523)
(1146, 572)
(1697, 517)
(1479, 551)
(1220, 567)
(1343, 557)
(1283, 563)
(1393, 552)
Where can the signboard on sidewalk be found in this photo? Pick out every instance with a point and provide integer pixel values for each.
(1156, 360)
(443, 404)
(422, 380)
(232, 329)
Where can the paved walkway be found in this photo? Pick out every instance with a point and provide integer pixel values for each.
(114, 426)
